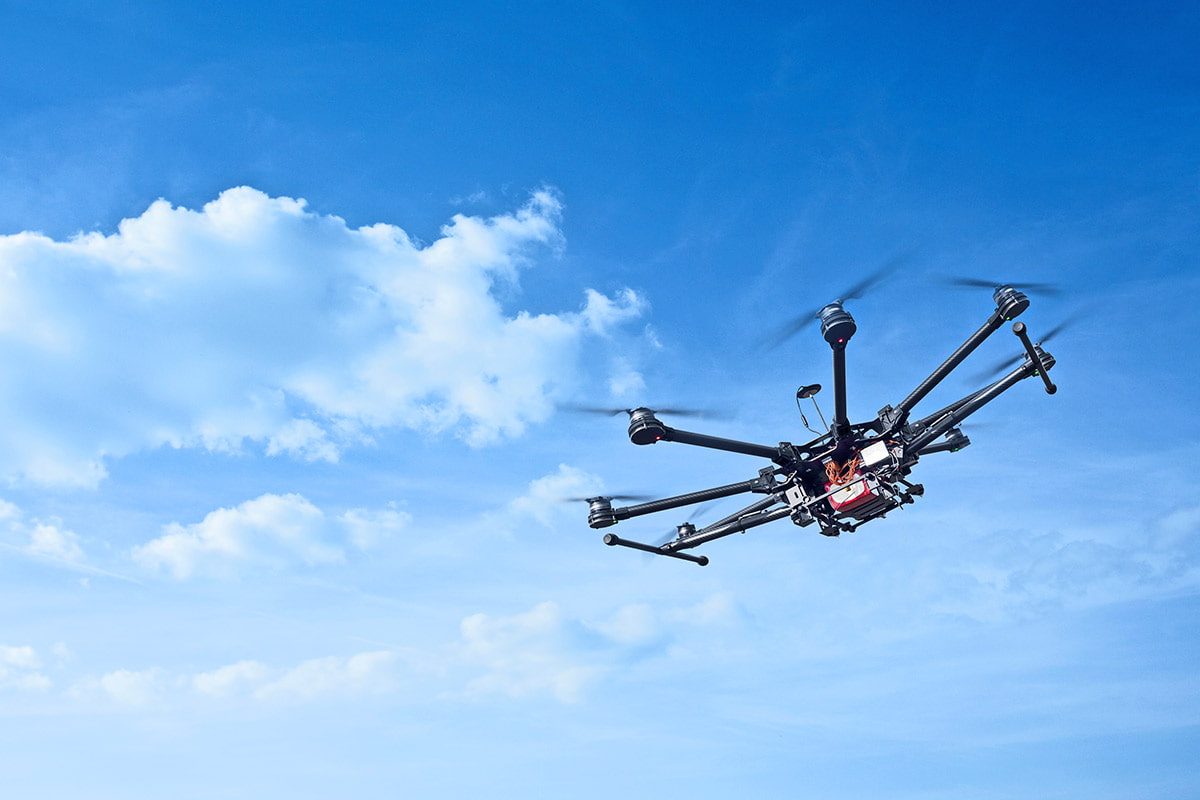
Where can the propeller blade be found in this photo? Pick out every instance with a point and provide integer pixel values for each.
(993, 372)
(980, 426)
(623, 497)
(1059, 328)
(971, 283)
(788, 330)
(603, 411)
(691, 412)
(1043, 289)
(669, 536)
(673, 534)
(704, 413)
(858, 290)
(1046, 289)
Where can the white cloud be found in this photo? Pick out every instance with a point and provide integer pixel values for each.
(257, 319)
(19, 669)
(362, 673)
(633, 625)
(55, 543)
(716, 609)
(528, 653)
(544, 500)
(604, 313)
(544, 651)
(366, 529)
(22, 657)
(133, 688)
(43, 540)
(639, 625)
(369, 673)
(303, 439)
(233, 679)
(273, 531)
(625, 381)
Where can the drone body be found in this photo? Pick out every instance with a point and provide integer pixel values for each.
(842, 479)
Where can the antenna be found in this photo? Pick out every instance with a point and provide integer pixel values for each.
(810, 391)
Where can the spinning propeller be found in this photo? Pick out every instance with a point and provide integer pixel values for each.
(622, 497)
(685, 527)
(1009, 363)
(675, 412)
(858, 290)
(1043, 289)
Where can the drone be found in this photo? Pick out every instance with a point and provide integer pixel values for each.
(850, 475)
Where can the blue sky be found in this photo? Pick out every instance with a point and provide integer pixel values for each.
(296, 298)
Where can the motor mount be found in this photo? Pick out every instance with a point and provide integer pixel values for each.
(837, 326)
(644, 427)
(1010, 302)
(600, 512)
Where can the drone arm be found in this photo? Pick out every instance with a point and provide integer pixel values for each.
(925, 422)
(1020, 331)
(753, 508)
(973, 403)
(749, 517)
(1010, 303)
(740, 524)
(957, 444)
(965, 349)
(717, 443)
(956, 416)
(841, 424)
(653, 506)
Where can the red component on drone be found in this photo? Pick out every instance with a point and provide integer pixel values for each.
(850, 496)
(854, 492)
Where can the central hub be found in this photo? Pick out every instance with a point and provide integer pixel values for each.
(837, 326)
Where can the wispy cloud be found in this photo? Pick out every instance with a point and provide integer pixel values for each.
(541, 653)
(370, 672)
(47, 541)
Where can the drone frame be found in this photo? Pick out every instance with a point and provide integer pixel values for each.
(794, 487)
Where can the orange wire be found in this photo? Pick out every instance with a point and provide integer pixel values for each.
(844, 473)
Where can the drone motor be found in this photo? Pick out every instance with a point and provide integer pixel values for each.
(644, 427)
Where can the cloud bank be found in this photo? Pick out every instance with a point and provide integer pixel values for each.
(257, 320)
